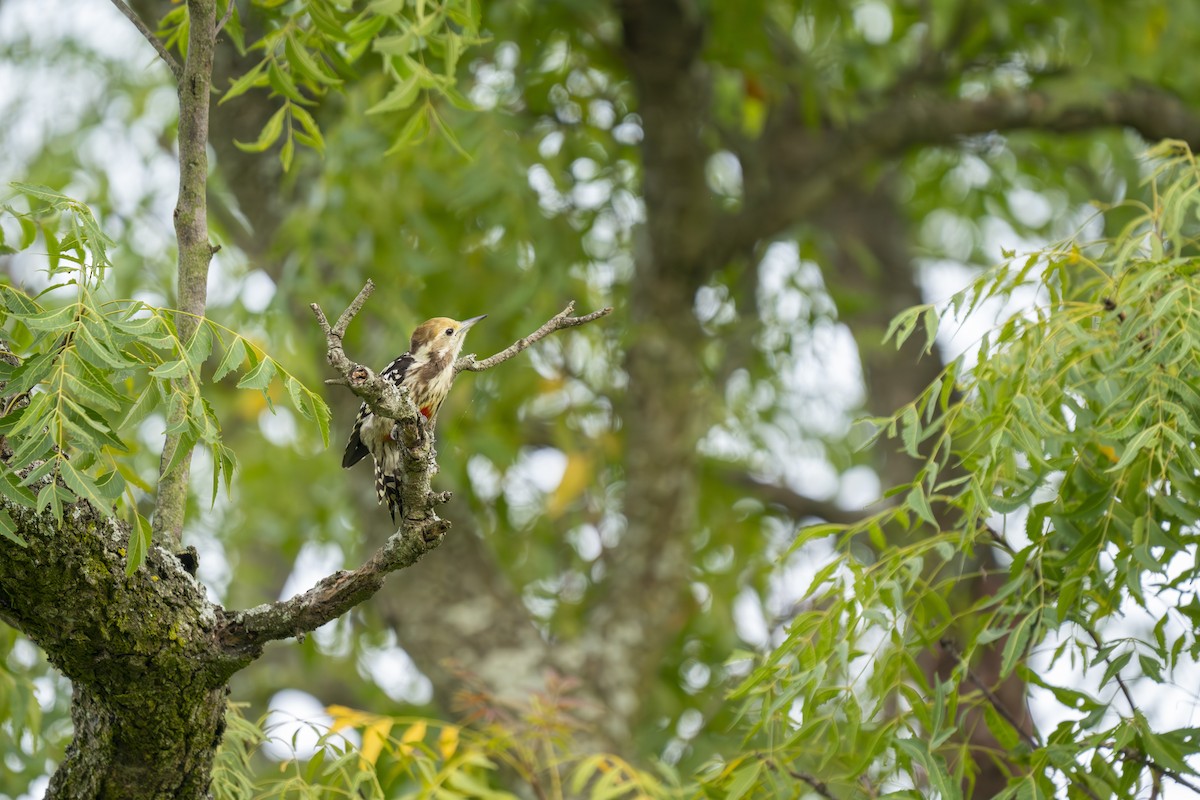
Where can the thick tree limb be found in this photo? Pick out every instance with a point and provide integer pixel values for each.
(559, 321)
(159, 47)
(797, 505)
(806, 167)
(247, 631)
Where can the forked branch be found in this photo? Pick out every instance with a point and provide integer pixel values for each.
(243, 634)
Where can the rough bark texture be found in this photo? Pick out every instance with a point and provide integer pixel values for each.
(148, 699)
(191, 233)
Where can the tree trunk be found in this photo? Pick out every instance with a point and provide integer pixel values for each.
(158, 743)
(149, 685)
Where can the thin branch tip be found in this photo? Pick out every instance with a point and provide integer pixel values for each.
(163, 53)
(339, 329)
(559, 321)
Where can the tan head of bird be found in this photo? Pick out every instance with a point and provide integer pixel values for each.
(440, 339)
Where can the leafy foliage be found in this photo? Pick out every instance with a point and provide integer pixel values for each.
(89, 370)
(414, 757)
(310, 46)
(1066, 456)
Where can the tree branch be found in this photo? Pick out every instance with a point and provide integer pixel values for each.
(562, 319)
(225, 17)
(245, 632)
(797, 505)
(195, 249)
(806, 167)
(163, 52)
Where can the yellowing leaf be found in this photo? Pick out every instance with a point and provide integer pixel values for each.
(345, 717)
(374, 737)
(415, 733)
(448, 741)
(576, 478)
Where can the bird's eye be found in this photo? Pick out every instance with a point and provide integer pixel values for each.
(449, 331)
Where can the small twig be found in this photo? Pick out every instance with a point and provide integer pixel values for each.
(175, 67)
(562, 319)
(1133, 709)
(225, 18)
(817, 786)
(1032, 739)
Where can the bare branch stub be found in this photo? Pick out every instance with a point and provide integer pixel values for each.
(165, 54)
(352, 310)
(559, 321)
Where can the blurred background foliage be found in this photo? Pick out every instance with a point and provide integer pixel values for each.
(518, 189)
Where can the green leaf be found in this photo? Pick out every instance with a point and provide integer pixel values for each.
(245, 83)
(310, 406)
(282, 83)
(31, 372)
(287, 151)
(89, 388)
(53, 319)
(305, 65)
(12, 491)
(139, 544)
(917, 501)
(96, 352)
(200, 347)
(171, 370)
(1014, 648)
(310, 127)
(745, 778)
(8, 529)
(1134, 447)
(413, 132)
(49, 497)
(259, 377)
(930, 319)
(235, 354)
(141, 408)
(187, 440)
(267, 136)
(84, 487)
(402, 95)
(18, 303)
(111, 485)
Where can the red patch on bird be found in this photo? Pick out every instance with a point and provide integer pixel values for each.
(427, 411)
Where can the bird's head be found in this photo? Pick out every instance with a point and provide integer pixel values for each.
(440, 338)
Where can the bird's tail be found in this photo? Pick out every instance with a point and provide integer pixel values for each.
(387, 487)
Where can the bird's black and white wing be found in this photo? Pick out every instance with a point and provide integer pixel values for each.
(356, 448)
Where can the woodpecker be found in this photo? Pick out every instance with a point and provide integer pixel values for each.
(426, 370)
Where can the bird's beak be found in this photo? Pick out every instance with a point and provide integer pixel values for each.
(467, 323)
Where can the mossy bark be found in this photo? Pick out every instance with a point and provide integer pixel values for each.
(195, 251)
(149, 682)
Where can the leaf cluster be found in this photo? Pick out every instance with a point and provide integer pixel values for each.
(86, 371)
(1059, 468)
(312, 47)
